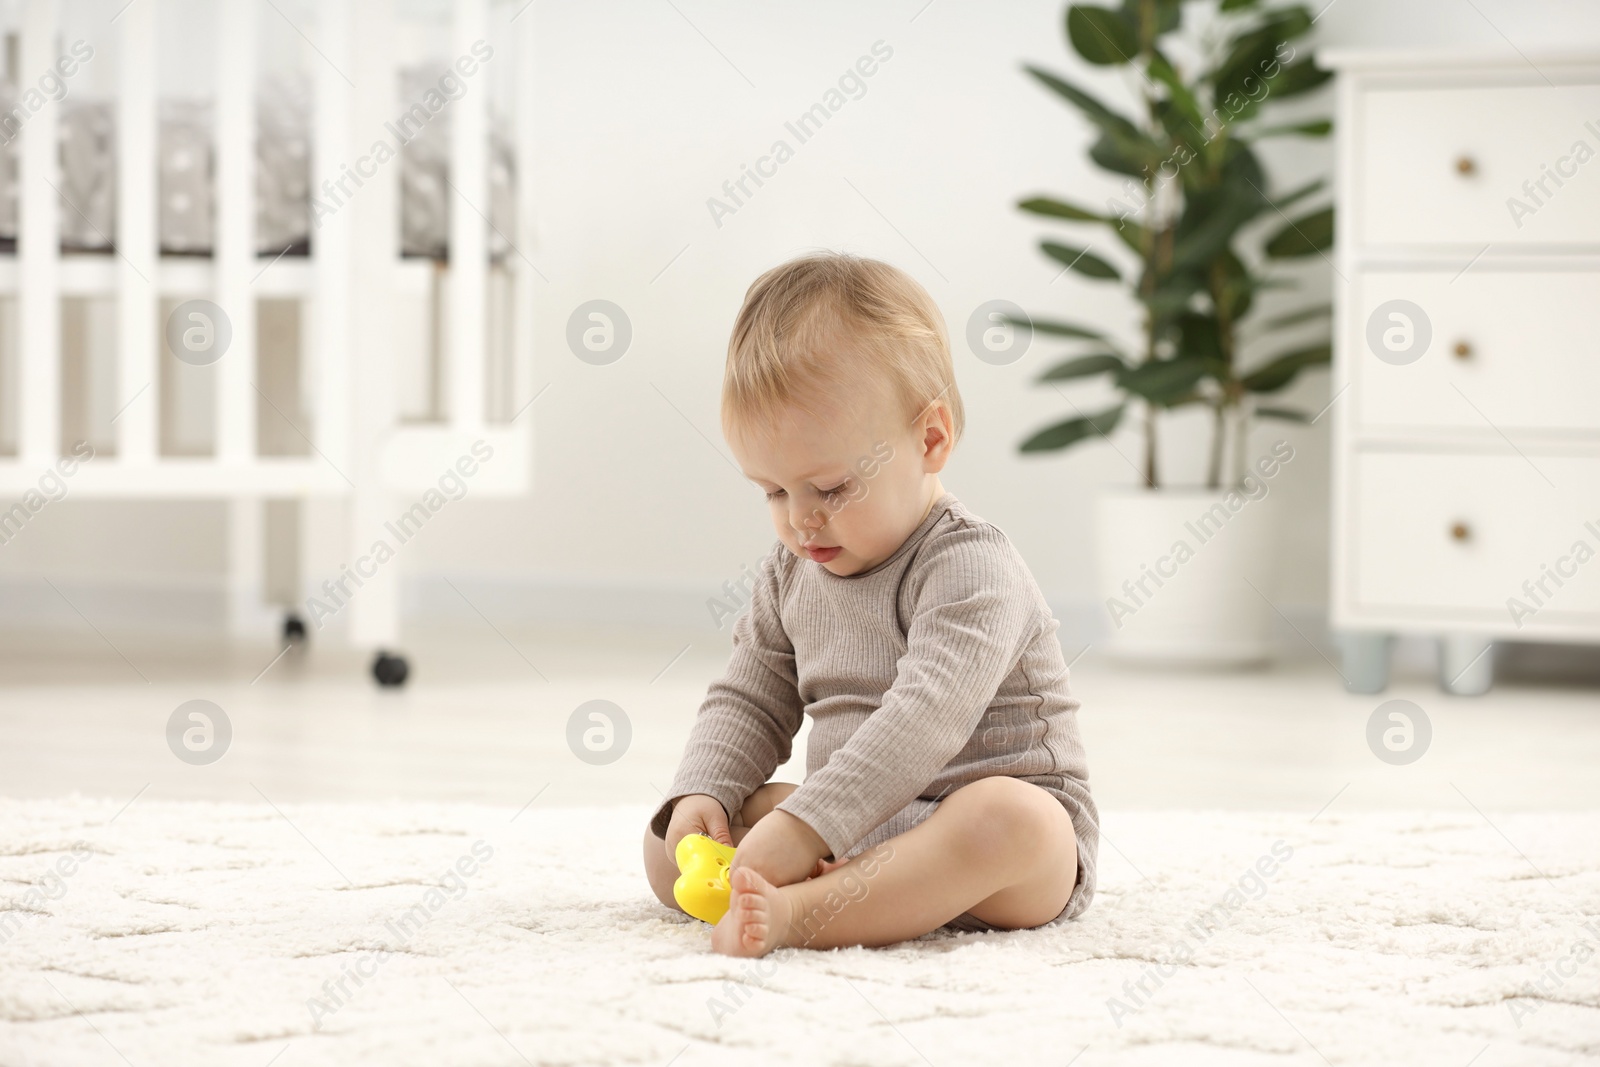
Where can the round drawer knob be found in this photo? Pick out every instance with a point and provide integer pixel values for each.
(1461, 531)
(1463, 350)
(1465, 166)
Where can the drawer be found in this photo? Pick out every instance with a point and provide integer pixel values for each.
(1520, 346)
(1457, 531)
(1440, 166)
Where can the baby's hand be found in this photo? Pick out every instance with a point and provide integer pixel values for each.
(782, 848)
(696, 813)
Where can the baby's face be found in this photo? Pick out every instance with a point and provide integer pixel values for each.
(846, 490)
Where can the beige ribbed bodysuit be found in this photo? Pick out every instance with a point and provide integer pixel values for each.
(932, 669)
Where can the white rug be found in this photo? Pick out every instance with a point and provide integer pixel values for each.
(221, 934)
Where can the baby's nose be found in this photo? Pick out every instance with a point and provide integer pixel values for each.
(809, 521)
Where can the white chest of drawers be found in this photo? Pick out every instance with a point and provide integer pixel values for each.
(1466, 458)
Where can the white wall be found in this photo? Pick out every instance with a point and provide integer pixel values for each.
(644, 116)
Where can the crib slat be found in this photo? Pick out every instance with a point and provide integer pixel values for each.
(38, 253)
(137, 394)
(526, 288)
(469, 204)
(331, 230)
(235, 231)
(375, 614)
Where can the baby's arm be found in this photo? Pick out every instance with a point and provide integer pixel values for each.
(968, 627)
(746, 725)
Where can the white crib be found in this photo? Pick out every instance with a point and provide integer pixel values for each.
(349, 289)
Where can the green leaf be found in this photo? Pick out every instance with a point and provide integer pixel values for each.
(1168, 14)
(1287, 200)
(1236, 5)
(1083, 367)
(1185, 135)
(1244, 74)
(1058, 329)
(1241, 176)
(1297, 78)
(1320, 128)
(1080, 259)
(1122, 148)
(1240, 84)
(1071, 431)
(1173, 293)
(1199, 337)
(1285, 414)
(1121, 156)
(1162, 380)
(1305, 236)
(1183, 99)
(1102, 36)
(1239, 286)
(1044, 205)
(1102, 116)
(1281, 24)
(1209, 224)
(1134, 236)
(1295, 318)
(1213, 215)
(1279, 372)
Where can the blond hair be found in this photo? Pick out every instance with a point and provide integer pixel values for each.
(816, 326)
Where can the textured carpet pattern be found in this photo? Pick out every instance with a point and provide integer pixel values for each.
(255, 934)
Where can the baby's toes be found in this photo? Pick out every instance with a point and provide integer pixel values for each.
(746, 929)
(753, 931)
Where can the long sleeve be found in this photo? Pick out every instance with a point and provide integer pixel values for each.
(966, 632)
(746, 725)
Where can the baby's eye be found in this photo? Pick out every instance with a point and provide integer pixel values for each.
(836, 490)
(776, 495)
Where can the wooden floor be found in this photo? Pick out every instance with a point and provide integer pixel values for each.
(485, 718)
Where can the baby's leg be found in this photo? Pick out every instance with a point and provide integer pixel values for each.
(1001, 848)
(662, 870)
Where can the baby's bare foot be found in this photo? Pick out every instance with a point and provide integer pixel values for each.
(758, 914)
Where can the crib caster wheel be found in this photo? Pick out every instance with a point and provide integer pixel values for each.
(390, 671)
(294, 628)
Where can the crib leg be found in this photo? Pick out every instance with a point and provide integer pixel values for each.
(375, 611)
(390, 671)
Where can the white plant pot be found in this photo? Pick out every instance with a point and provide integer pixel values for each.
(1176, 568)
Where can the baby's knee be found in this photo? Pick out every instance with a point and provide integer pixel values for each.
(762, 801)
(1002, 816)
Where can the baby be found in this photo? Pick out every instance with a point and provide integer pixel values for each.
(945, 782)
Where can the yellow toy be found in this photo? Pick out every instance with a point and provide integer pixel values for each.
(702, 888)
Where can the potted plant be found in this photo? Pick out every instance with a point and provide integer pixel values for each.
(1197, 210)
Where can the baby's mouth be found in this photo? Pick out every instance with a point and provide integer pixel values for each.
(821, 555)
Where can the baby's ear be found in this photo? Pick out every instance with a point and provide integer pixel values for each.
(937, 443)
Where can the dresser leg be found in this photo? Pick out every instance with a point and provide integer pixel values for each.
(1466, 664)
(1365, 658)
